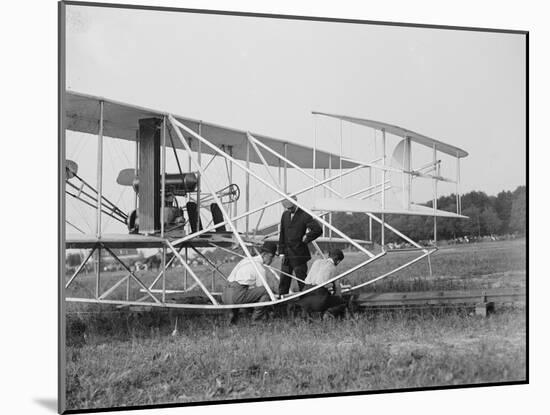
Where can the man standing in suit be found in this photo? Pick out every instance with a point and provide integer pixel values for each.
(297, 229)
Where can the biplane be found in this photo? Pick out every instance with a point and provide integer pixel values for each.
(182, 211)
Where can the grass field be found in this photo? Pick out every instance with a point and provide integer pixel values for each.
(120, 359)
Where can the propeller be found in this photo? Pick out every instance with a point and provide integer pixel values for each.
(71, 169)
(126, 177)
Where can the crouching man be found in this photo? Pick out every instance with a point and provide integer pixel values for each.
(321, 300)
(243, 288)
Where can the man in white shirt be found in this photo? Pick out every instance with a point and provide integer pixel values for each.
(242, 287)
(321, 299)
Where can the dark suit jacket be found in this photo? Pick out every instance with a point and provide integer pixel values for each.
(291, 233)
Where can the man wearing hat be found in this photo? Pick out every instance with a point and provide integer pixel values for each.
(297, 229)
(243, 287)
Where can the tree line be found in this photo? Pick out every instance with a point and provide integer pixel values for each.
(505, 213)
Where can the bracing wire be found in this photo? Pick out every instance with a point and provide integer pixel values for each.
(108, 221)
(81, 144)
(78, 208)
(74, 226)
(120, 151)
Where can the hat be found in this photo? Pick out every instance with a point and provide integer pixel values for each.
(269, 248)
(287, 203)
(336, 253)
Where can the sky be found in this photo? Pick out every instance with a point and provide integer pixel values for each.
(465, 88)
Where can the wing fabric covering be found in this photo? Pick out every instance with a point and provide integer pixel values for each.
(121, 121)
(402, 132)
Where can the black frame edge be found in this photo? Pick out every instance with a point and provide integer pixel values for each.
(61, 330)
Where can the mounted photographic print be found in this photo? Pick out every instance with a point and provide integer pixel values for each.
(277, 207)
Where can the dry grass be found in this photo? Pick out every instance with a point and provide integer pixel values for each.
(209, 360)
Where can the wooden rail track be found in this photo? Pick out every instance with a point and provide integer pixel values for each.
(484, 300)
(441, 298)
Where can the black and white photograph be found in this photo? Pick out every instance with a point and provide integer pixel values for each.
(270, 207)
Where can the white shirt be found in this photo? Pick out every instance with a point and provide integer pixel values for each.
(321, 271)
(244, 272)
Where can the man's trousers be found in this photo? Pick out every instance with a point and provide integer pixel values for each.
(320, 300)
(236, 293)
(300, 271)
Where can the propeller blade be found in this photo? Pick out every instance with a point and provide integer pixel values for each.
(71, 168)
(126, 177)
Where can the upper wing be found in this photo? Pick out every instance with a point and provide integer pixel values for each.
(402, 132)
(121, 121)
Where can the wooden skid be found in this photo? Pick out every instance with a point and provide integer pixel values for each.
(475, 298)
(501, 295)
